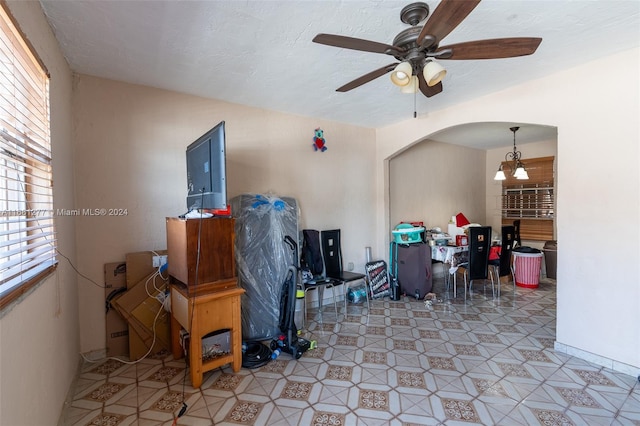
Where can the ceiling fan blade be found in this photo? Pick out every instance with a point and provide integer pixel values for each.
(367, 78)
(492, 49)
(447, 15)
(427, 90)
(354, 43)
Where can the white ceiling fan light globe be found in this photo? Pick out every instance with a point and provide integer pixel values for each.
(401, 75)
(412, 87)
(433, 73)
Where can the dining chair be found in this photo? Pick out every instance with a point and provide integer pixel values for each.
(314, 276)
(502, 267)
(332, 255)
(477, 267)
(517, 242)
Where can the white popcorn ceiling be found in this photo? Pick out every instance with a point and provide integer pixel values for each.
(260, 53)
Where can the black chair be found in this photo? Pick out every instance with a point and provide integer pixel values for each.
(517, 242)
(332, 255)
(477, 268)
(312, 261)
(502, 267)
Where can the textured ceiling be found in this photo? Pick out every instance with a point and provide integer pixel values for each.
(260, 53)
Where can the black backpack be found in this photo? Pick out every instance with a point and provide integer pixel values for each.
(311, 256)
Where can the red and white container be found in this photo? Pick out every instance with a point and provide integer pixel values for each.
(526, 268)
(461, 240)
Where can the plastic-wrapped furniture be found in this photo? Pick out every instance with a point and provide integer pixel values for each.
(262, 258)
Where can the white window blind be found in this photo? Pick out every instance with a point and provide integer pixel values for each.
(27, 235)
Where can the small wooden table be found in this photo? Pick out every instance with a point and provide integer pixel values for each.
(200, 314)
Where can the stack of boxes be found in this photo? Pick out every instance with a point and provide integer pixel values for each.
(136, 319)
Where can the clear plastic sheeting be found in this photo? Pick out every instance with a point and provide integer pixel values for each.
(263, 258)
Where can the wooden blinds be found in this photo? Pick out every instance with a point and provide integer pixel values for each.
(27, 236)
(531, 201)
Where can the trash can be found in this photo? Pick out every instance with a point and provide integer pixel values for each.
(526, 267)
(550, 250)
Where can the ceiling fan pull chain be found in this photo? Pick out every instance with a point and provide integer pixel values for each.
(415, 114)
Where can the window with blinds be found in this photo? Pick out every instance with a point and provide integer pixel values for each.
(27, 234)
(531, 201)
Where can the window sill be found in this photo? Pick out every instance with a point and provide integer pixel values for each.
(17, 294)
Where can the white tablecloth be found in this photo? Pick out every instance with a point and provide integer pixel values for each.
(451, 255)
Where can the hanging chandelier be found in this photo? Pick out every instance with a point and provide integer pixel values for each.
(513, 160)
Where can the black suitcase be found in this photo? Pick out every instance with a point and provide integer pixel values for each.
(413, 266)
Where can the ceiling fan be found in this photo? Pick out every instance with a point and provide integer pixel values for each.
(418, 47)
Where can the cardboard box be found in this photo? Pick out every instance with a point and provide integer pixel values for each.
(140, 307)
(140, 265)
(117, 328)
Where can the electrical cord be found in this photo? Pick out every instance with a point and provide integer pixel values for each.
(112, 295)
(256, 355)
(155, 320)
(76, 269)
(160, 297)
(195, 284)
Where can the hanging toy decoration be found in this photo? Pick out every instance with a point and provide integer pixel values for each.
(318, 141)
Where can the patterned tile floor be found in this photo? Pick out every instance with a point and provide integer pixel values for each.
(486, 361)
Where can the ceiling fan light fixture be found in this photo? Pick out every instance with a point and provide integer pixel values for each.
(412, 87)
(433, 73)
(416, 49)
(401, 75)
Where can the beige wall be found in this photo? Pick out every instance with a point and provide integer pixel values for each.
(598, 189)
(39, 349)
(130, 147)
(432, 181)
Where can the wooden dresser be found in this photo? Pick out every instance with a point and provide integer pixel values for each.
(205, 296)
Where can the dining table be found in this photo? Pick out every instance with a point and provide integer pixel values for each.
(451, 255)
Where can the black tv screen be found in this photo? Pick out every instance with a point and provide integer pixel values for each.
(206, 171)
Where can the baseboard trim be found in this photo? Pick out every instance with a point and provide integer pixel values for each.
(614, 365)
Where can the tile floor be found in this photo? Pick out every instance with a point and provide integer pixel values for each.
(486, 361)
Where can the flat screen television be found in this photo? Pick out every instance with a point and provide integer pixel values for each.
(206, 171)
